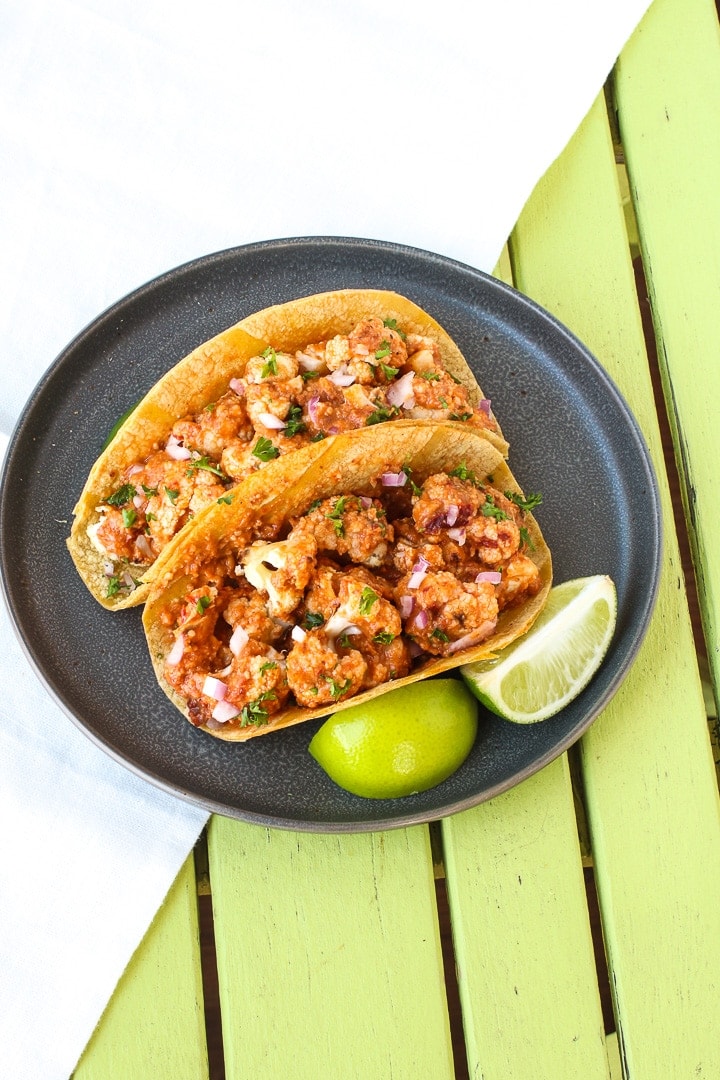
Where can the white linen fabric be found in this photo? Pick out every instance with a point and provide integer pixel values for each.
(134, 137)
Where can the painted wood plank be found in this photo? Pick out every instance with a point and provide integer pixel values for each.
(154, 1024)
(648, 774)
(669, 117)
(328, 954)
(526, 969)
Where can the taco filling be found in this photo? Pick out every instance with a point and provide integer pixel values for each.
(281, 401)
(356, 591)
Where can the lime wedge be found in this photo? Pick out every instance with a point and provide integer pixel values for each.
(399, 743)
(541, 672)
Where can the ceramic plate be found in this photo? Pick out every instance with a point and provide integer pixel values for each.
(572, 438)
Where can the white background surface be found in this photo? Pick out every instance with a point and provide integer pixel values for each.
(137, 136)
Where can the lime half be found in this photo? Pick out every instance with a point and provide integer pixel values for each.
(541, 672)
(399, 743)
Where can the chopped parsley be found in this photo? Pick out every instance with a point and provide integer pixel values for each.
(312, 620)
(294, 423)
(408, 472)
(383, 351)
(526, 538)
(338, 689)
(392, 325)
(307, 375)
(381, 414)
(171, 494)
(367, 599)
(489, 509)
(205, 463)
(384, 637)
(265, 450)
(123, 495)
(151, 517)
(149, 491)
(439, 634)
(255, 712)
(389, 372)
(203, 604)
(460, 416)
(113, 586)
(344, 641)
(270, 367)
(226, 499)
(336, 513)
(128, 517)
(430, 376)
(463, 473)
(319, 437)
(525, 502)
(267, 666)
(313, 506)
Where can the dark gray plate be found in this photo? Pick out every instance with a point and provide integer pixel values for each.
(572, 438)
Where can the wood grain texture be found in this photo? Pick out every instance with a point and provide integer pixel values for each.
(328, 955)
(154, 1025)
(648, 774)
(669, 120)
(528, 985)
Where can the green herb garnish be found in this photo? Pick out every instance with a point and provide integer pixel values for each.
(203, 604)
(319, 437)
(392, 325)
(123, 495)
(439, 634)
(171, 494)
(265, 450)
(383, 351)
(205, 463)
(113, 586)
(463, 473)
(312, 620)
(489, 509)
(381, 414)
(254, 712)
(128, 517)
(150, 492)
(390, 372)
(384, 638)
(337, 689)
(525, 502)
(367, 598)
(267, 666)
(226, 499)
(270, 367)
(430, 376)
(460, 416)
(294, 424)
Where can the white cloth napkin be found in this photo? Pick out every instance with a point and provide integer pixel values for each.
(134, 137)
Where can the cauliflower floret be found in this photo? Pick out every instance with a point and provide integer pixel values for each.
(445, 502)
(256, 684)
(346, 526)
(447, 614)
(270, 365)
(520, 580)
(362, 607)
(272, 398)
(282, 570)
(248, 610)
(317, 675)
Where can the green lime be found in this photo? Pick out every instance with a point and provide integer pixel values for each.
(541, 672)
(405, 741)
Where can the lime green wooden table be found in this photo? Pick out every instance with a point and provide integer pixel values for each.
(469, 949)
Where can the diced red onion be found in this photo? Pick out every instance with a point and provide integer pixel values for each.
(416, 580)
(175, 655)
(493, 576)
(309, 363)
(214, 688)
(415, 650)
(405, 606)
(421, 564)
(127, 580)
(473, 638)
(239, 640)
(298, 634)
(421, 619)
(458, 535)
(224, 711)
(312, 409)
(333, 429)
(108, 568)
(138, 501)
(135, 469)
(452, 514)
(360, 350)
(238, 386)
(485, 406)
(341, 377)
(393, 479)
(143, 545)
(177, 452)
(365, 502)
(269, 421)
(400, 392)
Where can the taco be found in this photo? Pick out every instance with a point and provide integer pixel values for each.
(382, 557)
(281, 379)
